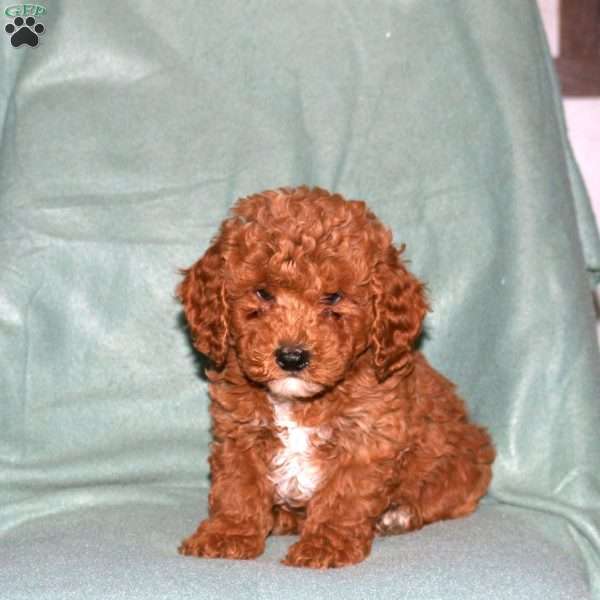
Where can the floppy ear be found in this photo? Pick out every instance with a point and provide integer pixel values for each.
(399, 310)
(202, 293)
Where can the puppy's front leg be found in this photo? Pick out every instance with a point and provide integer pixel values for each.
(240, 502)
(339, 527)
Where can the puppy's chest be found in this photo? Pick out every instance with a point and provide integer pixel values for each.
(295, 470)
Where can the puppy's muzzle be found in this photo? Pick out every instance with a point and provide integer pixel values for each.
(292, 358)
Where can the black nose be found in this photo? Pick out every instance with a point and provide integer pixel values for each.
(292, 358)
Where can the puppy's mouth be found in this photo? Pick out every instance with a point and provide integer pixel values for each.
(294, 387)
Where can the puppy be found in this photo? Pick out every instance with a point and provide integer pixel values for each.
(326, 422)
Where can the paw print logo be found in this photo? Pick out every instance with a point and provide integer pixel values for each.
(24, 31)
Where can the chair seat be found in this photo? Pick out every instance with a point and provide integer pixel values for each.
(130, 551)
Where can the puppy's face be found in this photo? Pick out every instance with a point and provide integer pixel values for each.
(298, 284)
(299, 320)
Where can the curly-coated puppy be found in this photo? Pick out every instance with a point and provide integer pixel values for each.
(326, 422)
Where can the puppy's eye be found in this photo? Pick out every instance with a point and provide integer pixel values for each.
(264, 295)
(331, 299)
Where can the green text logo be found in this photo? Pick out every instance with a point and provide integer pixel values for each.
(25, 10)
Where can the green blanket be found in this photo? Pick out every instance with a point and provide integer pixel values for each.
(128, 131)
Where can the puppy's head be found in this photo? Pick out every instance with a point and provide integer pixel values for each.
(298, 284)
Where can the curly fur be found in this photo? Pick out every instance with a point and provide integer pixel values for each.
(368, 438)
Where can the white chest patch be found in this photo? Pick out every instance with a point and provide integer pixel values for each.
(293, 469)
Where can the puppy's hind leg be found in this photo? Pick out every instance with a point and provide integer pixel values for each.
(401, 517)
(286, 522)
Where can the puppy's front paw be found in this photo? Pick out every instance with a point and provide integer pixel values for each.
(212, 540)
(321, 552)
